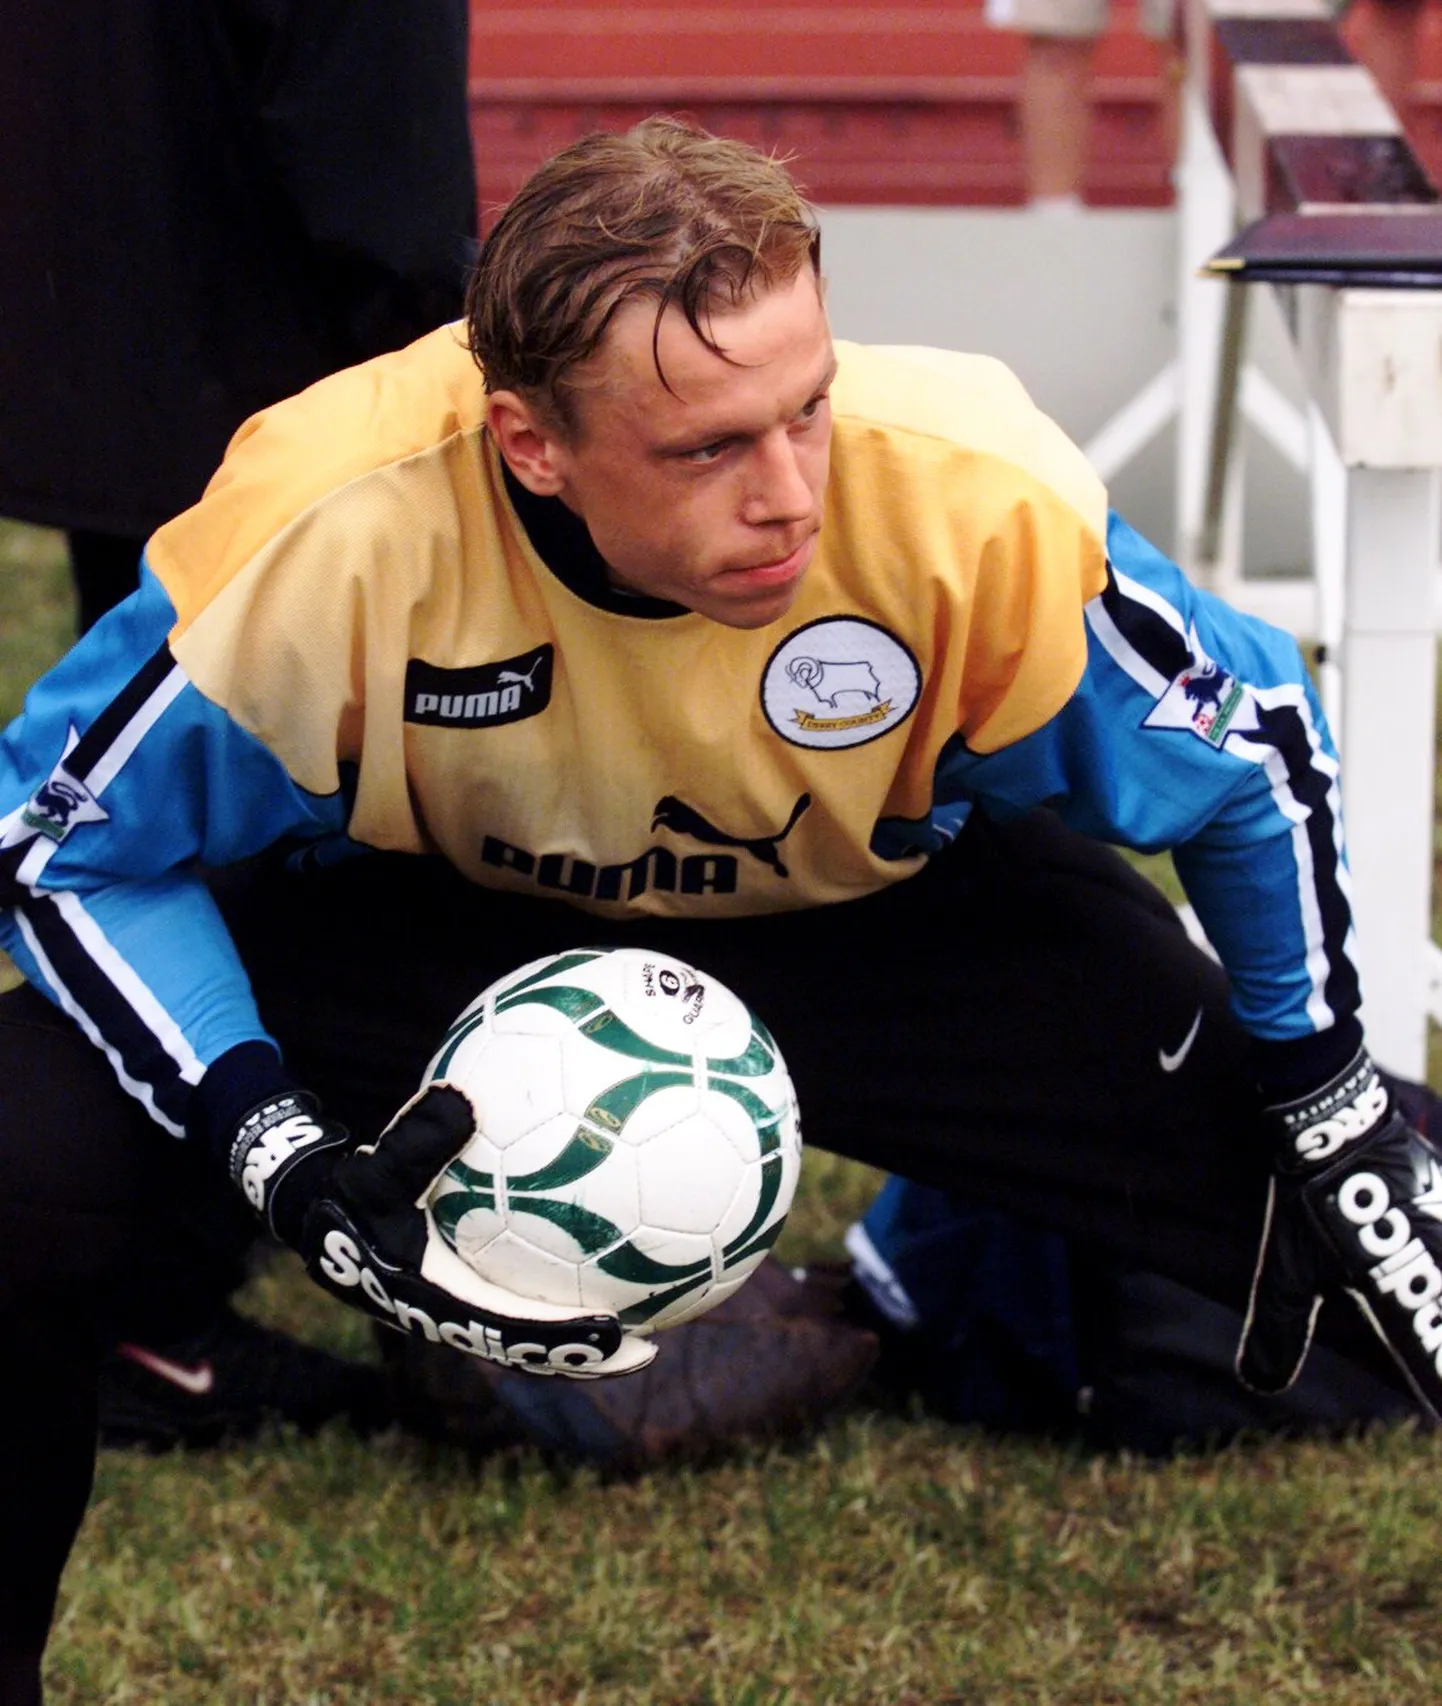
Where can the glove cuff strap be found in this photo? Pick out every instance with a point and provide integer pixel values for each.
(1314, 1128)
(270, 1140)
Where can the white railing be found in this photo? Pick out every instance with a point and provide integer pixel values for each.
(1369, 347)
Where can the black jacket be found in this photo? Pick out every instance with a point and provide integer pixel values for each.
(204, 206)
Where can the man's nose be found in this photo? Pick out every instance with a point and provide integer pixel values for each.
(779, 492)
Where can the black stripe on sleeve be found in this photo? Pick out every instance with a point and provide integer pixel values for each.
(145, 1060)
(1151, 636)
(118, 714)
(1285, 730)
(12, 892)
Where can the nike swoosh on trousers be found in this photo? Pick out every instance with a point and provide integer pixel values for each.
(197, 1380)
(1170, 1062)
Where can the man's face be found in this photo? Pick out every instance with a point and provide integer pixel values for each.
(708, 494)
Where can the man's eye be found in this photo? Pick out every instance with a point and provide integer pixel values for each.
(706, 453)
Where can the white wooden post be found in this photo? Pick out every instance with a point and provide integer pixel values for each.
(1373, 360)
(1389, 650)
(1206, 219)
(1328, 491)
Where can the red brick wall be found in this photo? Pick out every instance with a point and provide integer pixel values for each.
(876, 103)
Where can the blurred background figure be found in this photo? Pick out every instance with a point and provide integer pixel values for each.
(1055, 100)
(1387, 37)
(210, 204)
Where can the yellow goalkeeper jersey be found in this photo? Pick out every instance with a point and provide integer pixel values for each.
(358, 591)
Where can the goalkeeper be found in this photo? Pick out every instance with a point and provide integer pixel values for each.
(822, 666)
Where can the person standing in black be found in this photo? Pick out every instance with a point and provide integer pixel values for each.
(208, 205)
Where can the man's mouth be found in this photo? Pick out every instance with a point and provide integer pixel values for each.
(779, 570)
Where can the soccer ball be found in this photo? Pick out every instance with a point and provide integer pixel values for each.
(637, 1143)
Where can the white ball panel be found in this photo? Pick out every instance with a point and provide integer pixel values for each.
(531, 1151)
(514, 1085)
(690, 1176)
(533, 1019)
(476, 1231)
(733, 1123)
(520, 1266)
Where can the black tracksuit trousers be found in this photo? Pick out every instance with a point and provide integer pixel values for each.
(994, 1025)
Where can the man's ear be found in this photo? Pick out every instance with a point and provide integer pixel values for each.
(533, 450)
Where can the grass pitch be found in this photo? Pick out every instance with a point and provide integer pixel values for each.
(891, 1561)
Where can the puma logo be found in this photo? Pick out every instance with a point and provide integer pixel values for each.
(514, 675)
(672, 813)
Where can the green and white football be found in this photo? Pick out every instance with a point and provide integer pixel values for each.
(637, 1145)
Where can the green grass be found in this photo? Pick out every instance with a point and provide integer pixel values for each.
(37, 610)
(892, 1561)
(37, 619)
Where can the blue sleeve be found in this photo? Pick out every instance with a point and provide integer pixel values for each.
(117, 781)
(1195, 728)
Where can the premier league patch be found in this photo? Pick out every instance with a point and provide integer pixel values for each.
(1205, 699)
(840, 681)
(60, 803)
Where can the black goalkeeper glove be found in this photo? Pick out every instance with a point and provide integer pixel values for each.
(353, 1213)
(1356, 1206)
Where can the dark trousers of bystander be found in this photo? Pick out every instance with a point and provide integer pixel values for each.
(993, 1025)
(105, 568)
